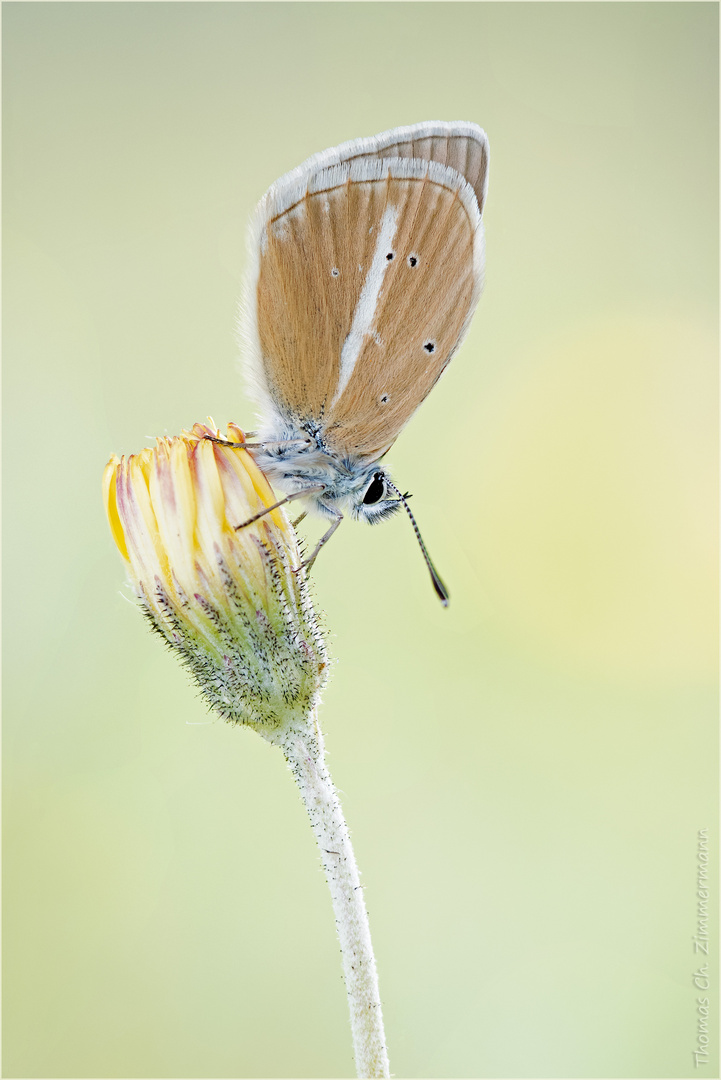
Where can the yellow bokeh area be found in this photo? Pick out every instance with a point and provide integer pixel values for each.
(602, 491)
(524, 773)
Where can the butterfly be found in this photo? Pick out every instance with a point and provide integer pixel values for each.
(367, 265)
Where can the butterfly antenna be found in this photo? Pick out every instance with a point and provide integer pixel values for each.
(441, 590)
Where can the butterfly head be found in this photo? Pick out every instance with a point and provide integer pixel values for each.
(375, 499)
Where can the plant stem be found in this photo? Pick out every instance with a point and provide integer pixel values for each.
(304, 752)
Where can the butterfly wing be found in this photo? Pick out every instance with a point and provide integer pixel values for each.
(460, 145)
(413, 311)
(367, 275)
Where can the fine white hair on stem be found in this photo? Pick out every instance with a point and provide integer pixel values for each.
(304, 752)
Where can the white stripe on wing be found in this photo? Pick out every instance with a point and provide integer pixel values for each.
(368, 300)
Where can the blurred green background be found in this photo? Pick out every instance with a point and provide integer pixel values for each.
(524, 774)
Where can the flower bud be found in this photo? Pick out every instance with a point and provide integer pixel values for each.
(231, 602)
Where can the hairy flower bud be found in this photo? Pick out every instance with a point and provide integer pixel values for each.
(230, 601)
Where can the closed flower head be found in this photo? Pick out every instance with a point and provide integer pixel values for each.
(229, 601)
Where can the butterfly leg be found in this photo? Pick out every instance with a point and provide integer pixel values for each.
(225, 442)
(298, 444)
(307, 563)
(298, 520)
(283, 502)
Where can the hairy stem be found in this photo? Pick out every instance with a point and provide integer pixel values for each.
(303, 749)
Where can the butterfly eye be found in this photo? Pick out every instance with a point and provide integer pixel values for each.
(376, 490)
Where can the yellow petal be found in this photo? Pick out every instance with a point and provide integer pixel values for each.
(147, 555)
(235, 434)
(171, 491)
(257, 492)
(110, 480)
(211, 524)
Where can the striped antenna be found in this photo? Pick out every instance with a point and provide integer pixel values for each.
(441, 590)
